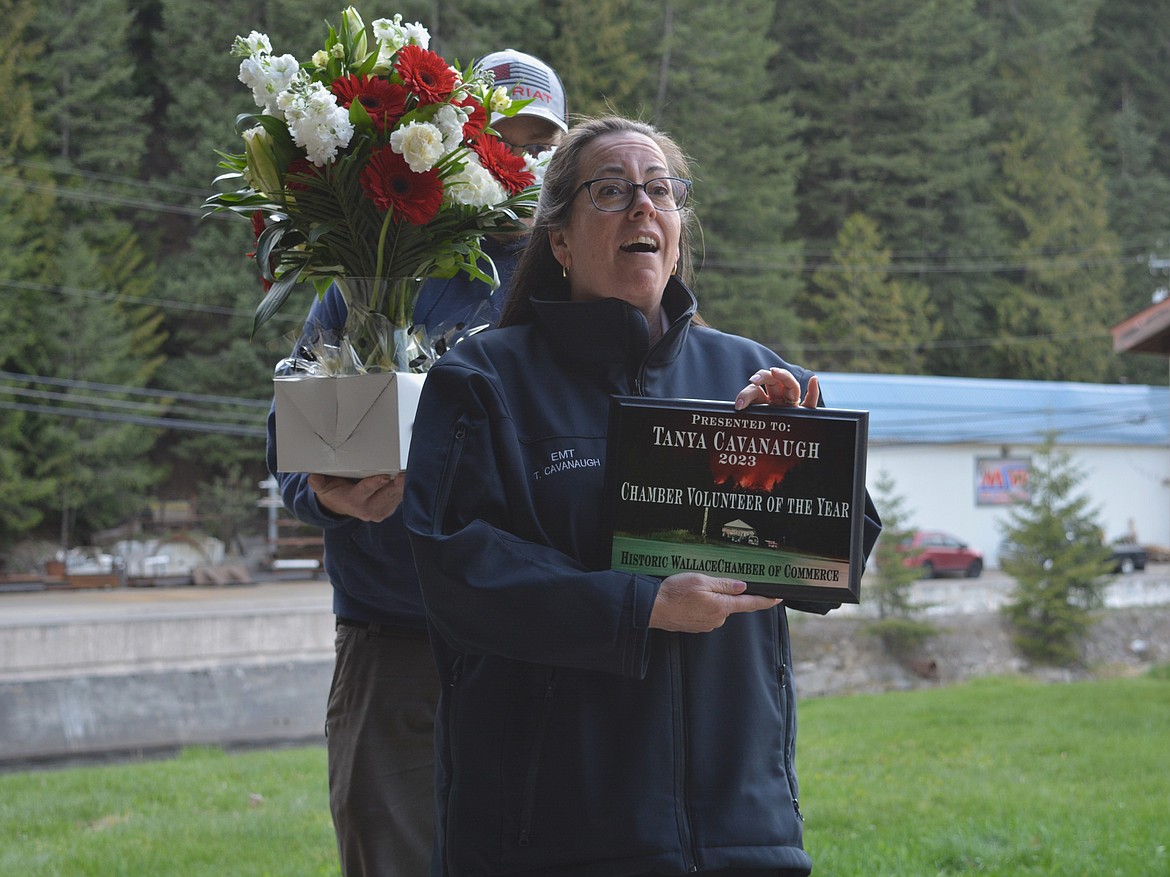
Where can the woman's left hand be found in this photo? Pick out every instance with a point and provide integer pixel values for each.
(777, 386)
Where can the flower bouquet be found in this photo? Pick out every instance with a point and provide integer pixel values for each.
(372, 165)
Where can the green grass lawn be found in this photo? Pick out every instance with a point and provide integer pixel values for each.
(996, 777)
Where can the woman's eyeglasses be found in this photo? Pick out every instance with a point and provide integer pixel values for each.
(615, 194)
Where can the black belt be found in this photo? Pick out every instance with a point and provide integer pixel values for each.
(377, 628)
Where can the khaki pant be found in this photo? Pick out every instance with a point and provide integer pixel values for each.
(379, 729)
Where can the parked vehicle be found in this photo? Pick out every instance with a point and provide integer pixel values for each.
(937, 553)
(1126, 557)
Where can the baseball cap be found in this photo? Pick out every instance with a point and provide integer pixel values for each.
(528, 78)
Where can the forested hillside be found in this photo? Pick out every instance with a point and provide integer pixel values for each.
(955, 187)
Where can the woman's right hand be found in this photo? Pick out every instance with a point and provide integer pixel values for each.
(691, 602)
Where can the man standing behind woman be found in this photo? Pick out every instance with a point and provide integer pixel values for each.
(596, 722)
(382, 701)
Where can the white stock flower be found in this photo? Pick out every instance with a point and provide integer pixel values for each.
(255, 43)
(450, 121)
(474, 186)
(420, 143)
(320, 58)
(315, 121)
(268, 77)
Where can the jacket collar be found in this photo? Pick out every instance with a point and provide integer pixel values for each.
(607, 332)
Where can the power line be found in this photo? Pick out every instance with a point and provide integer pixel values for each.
(162, 304)
(133, 391)
(158, 422)
(231, 416)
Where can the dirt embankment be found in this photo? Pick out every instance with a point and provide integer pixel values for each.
(838, 655)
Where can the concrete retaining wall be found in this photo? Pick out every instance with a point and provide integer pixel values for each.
(94, 674)
(44, 718)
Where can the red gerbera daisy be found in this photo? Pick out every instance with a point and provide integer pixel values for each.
(476, 122)
(384, 101)
(509, 169)
(425, 73)
(389, 182)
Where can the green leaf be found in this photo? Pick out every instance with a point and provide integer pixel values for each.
(277, 294)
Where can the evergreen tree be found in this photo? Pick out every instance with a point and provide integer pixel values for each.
(27, 233)
(1065, 286)
(607, 56)
(892, 579)
(214, 289)
(463, 30)
(888, 94)
(1130, 79)
(1057, 560)
(864, 320)
(96, 118)
(739, 130)
(204, 274)
(98, 465)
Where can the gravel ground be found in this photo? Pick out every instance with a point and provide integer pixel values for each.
(836, 655)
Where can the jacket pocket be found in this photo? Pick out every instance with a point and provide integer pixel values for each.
(532, 772)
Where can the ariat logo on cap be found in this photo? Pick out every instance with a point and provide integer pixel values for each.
(526, 77)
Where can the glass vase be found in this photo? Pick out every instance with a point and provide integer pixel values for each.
(377, 328)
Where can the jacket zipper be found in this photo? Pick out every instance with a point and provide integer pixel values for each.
(787, 700)
(454, 454)
(529, 801)
(682, 808)
(452, 686)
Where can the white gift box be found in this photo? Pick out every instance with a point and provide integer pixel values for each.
(347, 425)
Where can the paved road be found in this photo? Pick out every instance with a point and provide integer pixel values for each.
(963, 596)
(106, 604)
(951, 596)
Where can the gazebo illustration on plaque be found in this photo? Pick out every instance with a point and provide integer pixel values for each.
(739, 531)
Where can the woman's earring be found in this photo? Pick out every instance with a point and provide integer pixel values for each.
(565, 272)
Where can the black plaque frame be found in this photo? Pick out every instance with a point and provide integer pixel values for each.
(771, 496)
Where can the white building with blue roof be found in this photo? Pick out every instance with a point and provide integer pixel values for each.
(958, 449)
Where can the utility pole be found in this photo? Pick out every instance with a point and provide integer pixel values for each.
(273, 503)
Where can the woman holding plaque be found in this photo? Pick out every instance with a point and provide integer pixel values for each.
(593, 721)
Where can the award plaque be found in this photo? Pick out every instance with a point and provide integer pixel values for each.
(774, 497)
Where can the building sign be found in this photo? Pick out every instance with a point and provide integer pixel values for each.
(1002, 480)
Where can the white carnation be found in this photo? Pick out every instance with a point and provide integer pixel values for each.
(420, 143)
(474, 186)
